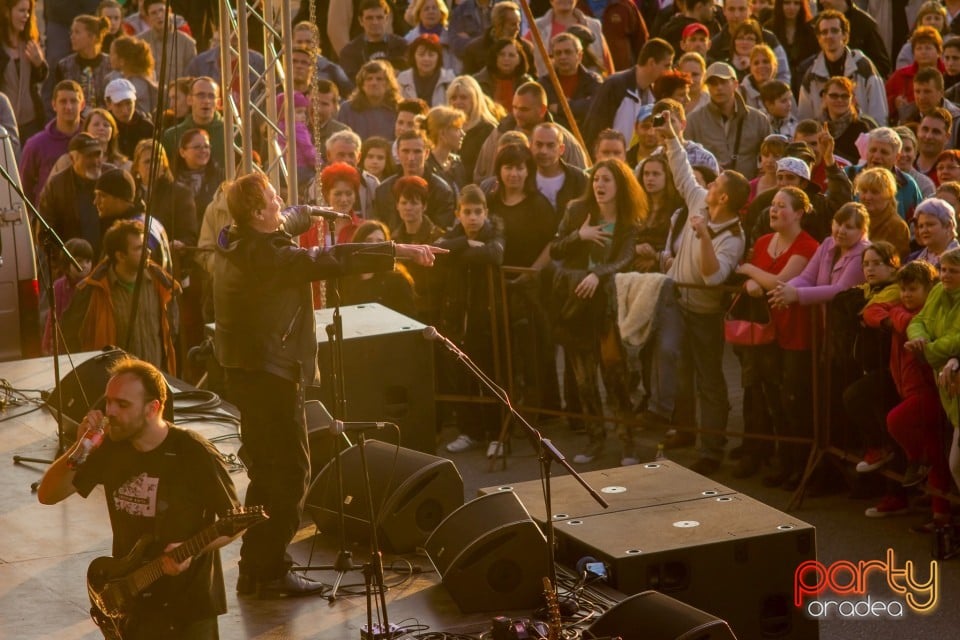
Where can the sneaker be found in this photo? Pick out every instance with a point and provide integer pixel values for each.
(629, 461)
(462, 443)
(873, 460)
(494, 449)
(889, 506)
(915, 474)
(594, 449)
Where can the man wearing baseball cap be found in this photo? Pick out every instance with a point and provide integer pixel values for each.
(695, 37)
(133, 125)
(729, 128)
(66, 201)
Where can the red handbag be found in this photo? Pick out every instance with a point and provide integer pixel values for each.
(748, 322)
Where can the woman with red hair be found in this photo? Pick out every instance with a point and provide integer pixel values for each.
(340, 184)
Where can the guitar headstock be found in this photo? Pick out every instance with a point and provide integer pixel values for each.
(239, 519)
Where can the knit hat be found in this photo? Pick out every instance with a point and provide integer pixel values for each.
(84, 143)
(796, 166)
(117, 183)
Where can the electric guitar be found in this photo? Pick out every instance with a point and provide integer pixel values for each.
(115, 584)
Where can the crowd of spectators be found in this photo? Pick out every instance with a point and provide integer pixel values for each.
(802, 152)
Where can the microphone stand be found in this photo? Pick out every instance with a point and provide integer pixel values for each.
(343, 564)
(51, 241)
(548, 452)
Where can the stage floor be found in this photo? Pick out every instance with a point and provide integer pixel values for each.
(44, 551)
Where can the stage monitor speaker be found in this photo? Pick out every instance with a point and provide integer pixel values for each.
(491, 555)
(84, 386)
(624, 488)
(387, 371)
(729, 555)
(652, 615)
(412, 493)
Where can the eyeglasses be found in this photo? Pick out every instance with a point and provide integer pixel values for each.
(838, 96)
(199, 147)
(948, 167)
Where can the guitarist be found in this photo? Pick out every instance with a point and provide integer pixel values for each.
(161, 481)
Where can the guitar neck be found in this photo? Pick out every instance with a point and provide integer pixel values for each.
(149, 573)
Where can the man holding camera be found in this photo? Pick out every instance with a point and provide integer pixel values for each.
(729, 128)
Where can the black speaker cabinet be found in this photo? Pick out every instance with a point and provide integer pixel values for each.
(412, 493)
(633, 487)
(729, 555)
(652, 615)
(388, 372)
(84, 386)
(491, 555)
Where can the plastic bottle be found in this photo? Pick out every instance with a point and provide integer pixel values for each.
(92, 438)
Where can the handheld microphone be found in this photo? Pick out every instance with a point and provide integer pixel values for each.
(327, 214)
(339, 426)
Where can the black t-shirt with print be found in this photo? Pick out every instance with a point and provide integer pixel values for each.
(170, 493)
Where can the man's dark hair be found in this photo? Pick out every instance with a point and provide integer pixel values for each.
(534, 89)
(655, 49)
(412, 135)
(372, 4)
(154, 384)
(325, 86)
(951, 42)
(68, 85)
(416, 106)
(832, 14)
(737, 188)
(929, 74)
(772, 90)
(611, 134)
(115, 239)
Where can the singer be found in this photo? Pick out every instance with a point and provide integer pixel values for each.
(266, 341)
(158, 480)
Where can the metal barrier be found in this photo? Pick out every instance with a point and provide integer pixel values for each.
(820, 352)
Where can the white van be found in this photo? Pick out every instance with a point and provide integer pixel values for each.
(20, 329)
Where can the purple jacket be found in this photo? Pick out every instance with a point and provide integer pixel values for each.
(820, 281)
(40, 153)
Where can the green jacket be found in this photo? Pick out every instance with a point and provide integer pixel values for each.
(939, 323)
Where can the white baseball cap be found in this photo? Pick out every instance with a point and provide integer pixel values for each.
(120, 89)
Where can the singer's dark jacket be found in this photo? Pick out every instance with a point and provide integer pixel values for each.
(263, 298)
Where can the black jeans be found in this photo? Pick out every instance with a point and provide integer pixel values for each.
(274, 447)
